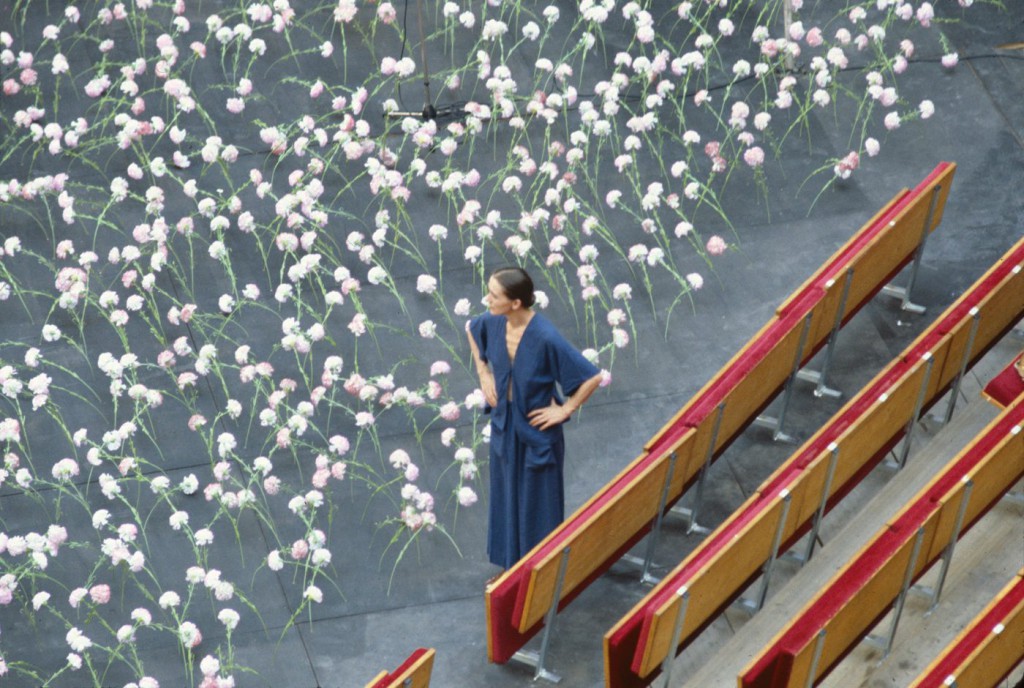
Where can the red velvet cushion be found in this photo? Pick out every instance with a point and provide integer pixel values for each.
(1006, 386)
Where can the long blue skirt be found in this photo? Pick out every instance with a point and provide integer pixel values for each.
(527, 499)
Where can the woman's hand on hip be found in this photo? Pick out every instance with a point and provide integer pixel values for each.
(548, 416)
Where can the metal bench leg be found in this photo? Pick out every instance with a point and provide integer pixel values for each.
(947, 555)
(776, 424)
(819, 645)
(819, 515)
(754, 605)
(954, 391)
(666, 666)
(908, 434)
(534, 659)
(691, 514)
(820, 377)
(652, 539)
(886, 642)
(903, 293)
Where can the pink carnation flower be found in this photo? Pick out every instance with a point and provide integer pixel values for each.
(716, 245)
(100, 594)
(754, 156)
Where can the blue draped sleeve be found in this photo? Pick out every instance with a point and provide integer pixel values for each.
(478, 331)
(487, 332)
(571, 368)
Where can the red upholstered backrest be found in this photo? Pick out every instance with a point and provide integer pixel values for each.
(1006, 386)
(387, 681)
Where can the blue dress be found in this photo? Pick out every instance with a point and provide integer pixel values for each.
(527, 493)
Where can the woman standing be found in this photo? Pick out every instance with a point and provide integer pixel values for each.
(522, 361)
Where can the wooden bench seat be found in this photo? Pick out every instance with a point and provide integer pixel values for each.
(621, 513)
(635, 647)
(987, 650)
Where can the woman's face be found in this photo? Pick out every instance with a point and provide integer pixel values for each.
(497, 301)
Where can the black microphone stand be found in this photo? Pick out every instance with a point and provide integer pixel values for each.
(429, 112)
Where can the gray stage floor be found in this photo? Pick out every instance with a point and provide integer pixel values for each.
(374, 613)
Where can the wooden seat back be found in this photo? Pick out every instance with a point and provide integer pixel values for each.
(892, 248)
(606, 528)
(837, 263)
(730, 566)
(610, 526)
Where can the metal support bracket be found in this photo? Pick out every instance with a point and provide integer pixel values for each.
(933, 593)
(903, 293)
(886, 642)
(754, 605)
(776, 424)
(534, 659)
(954, 391)
(819, 377)
(908, 433)
(819, 515)
(1014, 498)
(666, 665)
(692, 525)
(819, 645)
(652, 539)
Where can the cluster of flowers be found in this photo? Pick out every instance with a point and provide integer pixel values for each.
(200, 150)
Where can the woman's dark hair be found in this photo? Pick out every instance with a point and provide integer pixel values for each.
(516, 284)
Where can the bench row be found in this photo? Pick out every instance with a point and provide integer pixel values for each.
(622, 512)
(860, 594)
(795, 498)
